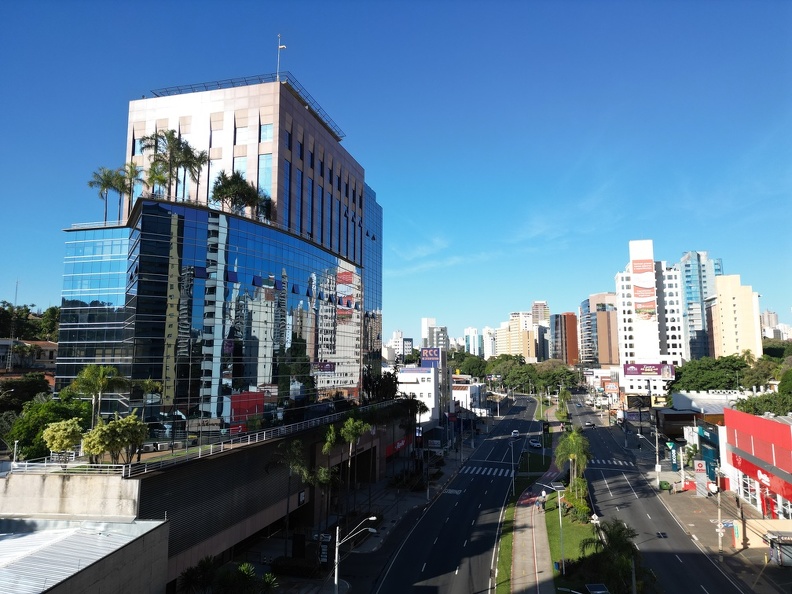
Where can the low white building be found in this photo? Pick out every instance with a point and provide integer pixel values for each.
(422, 383)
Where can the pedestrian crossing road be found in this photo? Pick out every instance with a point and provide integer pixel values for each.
(610, 462)
(487, 471)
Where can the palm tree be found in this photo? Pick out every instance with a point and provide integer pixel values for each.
(614, 539)
(95, 380)
(156, 177)
(105, 180)
(351, 432)
(290, 454)
(131, 174)
(192, 164)
(574, 447)
(331, 439)
(169, 150)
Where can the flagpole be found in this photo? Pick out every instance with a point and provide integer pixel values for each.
(280, 47)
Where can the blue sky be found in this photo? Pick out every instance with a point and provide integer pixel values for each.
(516, 147)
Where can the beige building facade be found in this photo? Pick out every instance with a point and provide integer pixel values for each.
(733, 318)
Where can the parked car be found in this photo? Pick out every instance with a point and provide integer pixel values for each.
(515, 434)
(588, 424)
(534, 443)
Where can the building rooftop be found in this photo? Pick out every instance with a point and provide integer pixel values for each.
(36, 555)
(283, 77)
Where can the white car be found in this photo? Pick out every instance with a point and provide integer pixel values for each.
(515, 434)
(534, 443)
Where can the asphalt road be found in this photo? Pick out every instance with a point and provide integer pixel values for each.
(449, 547)
(619, 488)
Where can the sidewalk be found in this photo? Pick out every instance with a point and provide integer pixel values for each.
(698, 516)
(532, 566)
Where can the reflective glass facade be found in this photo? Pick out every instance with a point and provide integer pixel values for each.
(211, 304)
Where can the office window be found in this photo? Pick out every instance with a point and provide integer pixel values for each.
(240, 165)
(288, 140)
(321, 168)
(300, 149)
(310, 159)
(240, 135)
(286, 194)
(309, 219)
(265, 133)
(298, 199)
(265, 173)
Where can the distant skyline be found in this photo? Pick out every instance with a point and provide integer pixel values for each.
(515, 147)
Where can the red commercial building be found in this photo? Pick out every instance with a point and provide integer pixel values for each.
(758, 457)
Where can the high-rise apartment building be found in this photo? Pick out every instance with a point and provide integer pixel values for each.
(474, 342)
(211, 298)
(540, 312)
(489, 338)
(598, 334)
(733, 318)
(515, 337)
(697, 271)
(564, 338)
(649, 320)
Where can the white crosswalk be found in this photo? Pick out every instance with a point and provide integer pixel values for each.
(487, 471)
(610, 462)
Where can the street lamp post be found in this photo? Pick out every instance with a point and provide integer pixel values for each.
(355, 531)
(559, 489)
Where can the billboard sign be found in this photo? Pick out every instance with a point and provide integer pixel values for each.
(661, 370)
(611, 387)
(430, 357)
(644, 291)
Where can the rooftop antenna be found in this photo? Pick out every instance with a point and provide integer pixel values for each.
(280, 47)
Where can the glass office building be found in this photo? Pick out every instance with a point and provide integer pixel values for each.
(213, 303)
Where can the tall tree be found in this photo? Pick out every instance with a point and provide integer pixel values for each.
(352, 430)
(330, 442)
(291, 455)
(169, 150)
(104, 180)
(574, 448)
(156, 178)
(131, 174)
(95, 380)
(192, 165)
(49, 325)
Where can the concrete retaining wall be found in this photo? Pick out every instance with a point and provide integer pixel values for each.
(68, 496)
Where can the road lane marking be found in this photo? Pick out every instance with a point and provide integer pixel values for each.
(435, 540)
(648, 516)
(423, 568)
(464, 545)
(703, 588)
(629, 485)
(678, 559)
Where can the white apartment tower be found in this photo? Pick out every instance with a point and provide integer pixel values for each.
(474, 342)
(649, 317)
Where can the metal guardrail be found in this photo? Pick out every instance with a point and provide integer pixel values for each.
(46, 465)
(243, 440)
